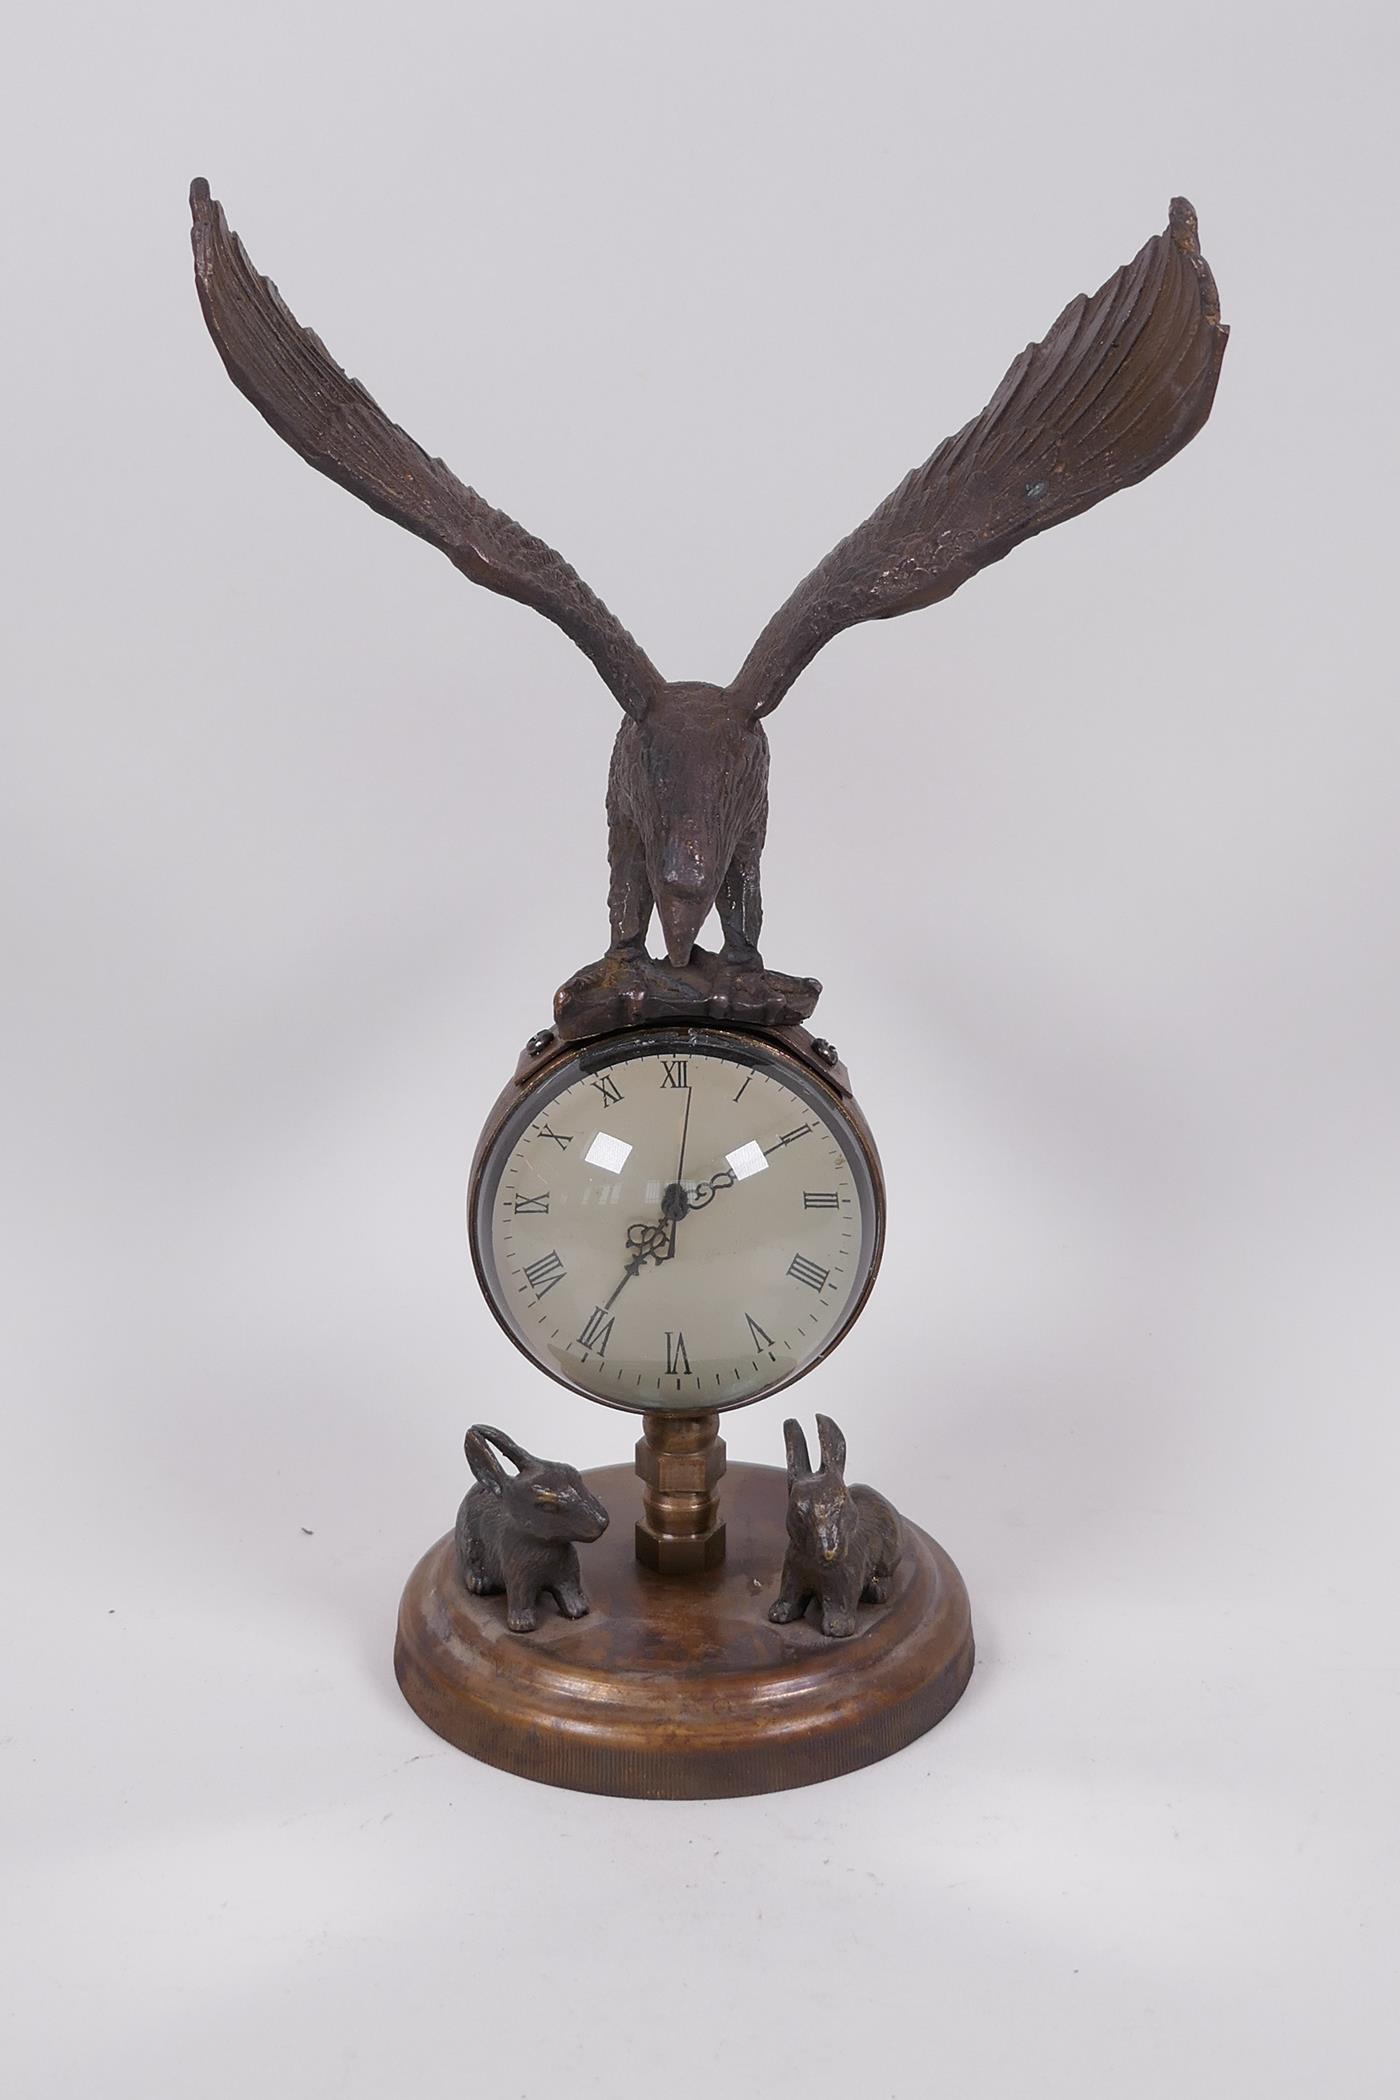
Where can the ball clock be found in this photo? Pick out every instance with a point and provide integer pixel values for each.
(676, 1207)
(677, 1219)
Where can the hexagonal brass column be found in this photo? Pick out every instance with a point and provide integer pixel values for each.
(680, 1459)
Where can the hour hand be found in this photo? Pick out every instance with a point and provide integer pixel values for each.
(644, 1243)
(655, 1242)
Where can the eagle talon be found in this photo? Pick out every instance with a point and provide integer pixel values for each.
(1118, 385)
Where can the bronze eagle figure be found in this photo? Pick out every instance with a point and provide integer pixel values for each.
(1118, 385)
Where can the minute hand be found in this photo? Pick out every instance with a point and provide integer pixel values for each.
(706, 1191)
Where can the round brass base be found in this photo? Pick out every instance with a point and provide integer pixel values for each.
(679, 1687)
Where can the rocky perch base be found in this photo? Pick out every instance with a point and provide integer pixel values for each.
(631, 992)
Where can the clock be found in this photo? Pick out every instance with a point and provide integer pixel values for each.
(676, 1206)
(677, 1219)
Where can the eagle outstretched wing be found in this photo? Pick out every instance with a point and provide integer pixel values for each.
(1121, 382)
(292, 380)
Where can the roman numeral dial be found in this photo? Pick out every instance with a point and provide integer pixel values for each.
(676, 1223)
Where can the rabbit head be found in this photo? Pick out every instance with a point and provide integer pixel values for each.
(822, 1520)
(542, 1498)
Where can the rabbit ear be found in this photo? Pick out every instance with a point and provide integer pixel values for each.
(516, 1453)
(798, 1457)
(833, 1444)
(482, 1460)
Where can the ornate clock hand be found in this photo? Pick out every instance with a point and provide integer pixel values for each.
(644, 1249)
(706, 1191)
(674, 1205)
(647, 1241)
(726, 1178)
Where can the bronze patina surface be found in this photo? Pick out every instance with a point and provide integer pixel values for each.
(518, 1531)
(739, 1640)
(685, 1689)
(1118, 385)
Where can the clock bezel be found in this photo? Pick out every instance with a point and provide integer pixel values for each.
(791, 1050)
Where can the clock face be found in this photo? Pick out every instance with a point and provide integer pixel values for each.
(684, 1219)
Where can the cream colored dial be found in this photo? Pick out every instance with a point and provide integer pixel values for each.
(686, 1222)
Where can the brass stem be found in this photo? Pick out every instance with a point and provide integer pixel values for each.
(680, 1460)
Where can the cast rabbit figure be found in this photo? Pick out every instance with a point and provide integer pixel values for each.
(516, 1531)
(843, 1543)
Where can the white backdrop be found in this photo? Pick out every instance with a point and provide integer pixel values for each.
(1099, 866)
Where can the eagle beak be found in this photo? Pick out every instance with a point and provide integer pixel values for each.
(681, 919)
